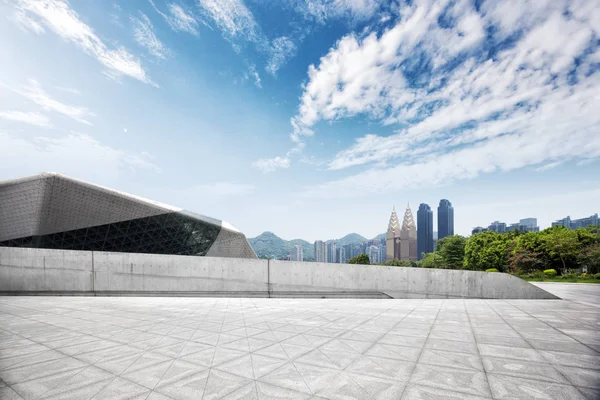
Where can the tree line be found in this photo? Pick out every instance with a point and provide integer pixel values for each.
(514, 252)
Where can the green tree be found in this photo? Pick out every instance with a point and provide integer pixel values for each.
(432, 260)
(486, 250)
(452, 250)
(360, 259)
(589, 257)
(563, 244)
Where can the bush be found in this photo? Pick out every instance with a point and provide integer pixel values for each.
(360, 259)
(550, 273)
(584, 275)
(596, 276)
(491, 270)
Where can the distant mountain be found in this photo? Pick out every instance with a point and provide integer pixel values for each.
(351, 238)
(267, 244)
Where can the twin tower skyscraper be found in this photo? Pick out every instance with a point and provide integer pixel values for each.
(409, 241)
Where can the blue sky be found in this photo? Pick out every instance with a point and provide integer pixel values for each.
(310, 118)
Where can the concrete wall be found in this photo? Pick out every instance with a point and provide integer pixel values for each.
(35, 271)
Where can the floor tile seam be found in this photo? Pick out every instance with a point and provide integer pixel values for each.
(394, 326)
(485, 373)
(558, 330)
(449, 390)
(454, 366)
(11, 388)
(170, 365)
(51, 374)
(79, 387)
(426, 338)
(551, 365)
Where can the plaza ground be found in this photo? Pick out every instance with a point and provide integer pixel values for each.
(157, 348)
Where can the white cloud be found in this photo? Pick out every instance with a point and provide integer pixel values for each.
(57, 16)
(271, 164)
(323, 10)
(253, 74)
(144, 35)
(31, 118)
(530, 105)
(73, 154)
(34, 92)
(233, 18)
(179, 19)
(282, 49)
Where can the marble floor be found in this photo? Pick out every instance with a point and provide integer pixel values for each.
(156, 348)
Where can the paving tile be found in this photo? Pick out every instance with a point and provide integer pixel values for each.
(508, 387)
(379, 388)
(572, 360)
(510, 352)
(266, 391)
(287, 376)
(465, 381)
(584, 377)
(6, 393)
(451, 345)
(523, 369)
(450, 359)
(122, 389)
(417, 392)
(220, 384)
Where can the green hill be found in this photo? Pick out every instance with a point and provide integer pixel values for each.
(267, 244)
(351, 238)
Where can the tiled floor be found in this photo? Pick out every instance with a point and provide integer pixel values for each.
(196, 348)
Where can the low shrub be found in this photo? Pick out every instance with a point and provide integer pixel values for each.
(583, 275)
(596, 276)
(550, 273)
(491, 270)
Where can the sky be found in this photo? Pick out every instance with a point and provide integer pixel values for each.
(310, 118)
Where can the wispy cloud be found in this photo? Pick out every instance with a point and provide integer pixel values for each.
(282, 49)
(144, 35)
(33, 92)
(253, 74)
(73, 154)
(271, 164)
(322, 10)
(469, 101)
(58, 17)
(179, 19)
(31, 118)
(233, 18)
(224, 189)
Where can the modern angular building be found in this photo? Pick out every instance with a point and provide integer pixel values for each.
(424, 230)
(54, 211)
(445, 220)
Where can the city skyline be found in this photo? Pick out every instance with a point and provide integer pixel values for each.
(248, 111)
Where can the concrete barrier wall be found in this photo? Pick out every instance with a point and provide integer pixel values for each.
(24, 271)
(400, 282)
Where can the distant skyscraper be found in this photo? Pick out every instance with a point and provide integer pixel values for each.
(320, 251)
(382, 253)
(331, 251)
(373, 253)
(435, 239)
(401, 243)
(445, 219)
(296, 254)
(424, 230)
(478, 229)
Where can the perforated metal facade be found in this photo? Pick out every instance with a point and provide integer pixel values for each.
(54, 211)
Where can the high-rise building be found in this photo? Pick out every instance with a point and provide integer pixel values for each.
(497, 226)
(578, 223)
(331, 251)
(424, 230)
(401, 243)
(382, 252)
(445, 219)
(373, 253)
(435, 239)
(342, 257)
(320, 251)
(296, 253)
